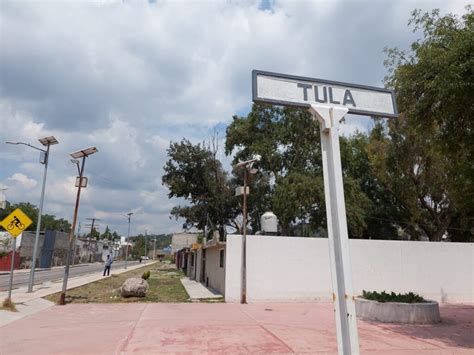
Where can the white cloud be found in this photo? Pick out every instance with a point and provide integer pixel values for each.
(23, 180)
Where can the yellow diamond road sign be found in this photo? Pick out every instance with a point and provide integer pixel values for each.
(16, 222)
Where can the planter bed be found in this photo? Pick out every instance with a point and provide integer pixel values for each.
(396, 312)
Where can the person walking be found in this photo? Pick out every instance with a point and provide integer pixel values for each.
(108, 264)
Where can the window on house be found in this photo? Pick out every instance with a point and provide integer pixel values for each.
(192, 259)
(221, 257)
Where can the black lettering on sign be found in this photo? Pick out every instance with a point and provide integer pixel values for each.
(316, 95)
(305, 90)
(331, 99)
(348, 99)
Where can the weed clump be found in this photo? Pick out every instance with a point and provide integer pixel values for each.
(146, 275)
(8, 305)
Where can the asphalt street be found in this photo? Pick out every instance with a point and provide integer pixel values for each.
(20, 278)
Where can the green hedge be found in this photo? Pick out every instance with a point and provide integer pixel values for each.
(383, 296)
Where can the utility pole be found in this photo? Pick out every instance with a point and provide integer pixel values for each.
(81, 181)
(129, 216)
(90, 235)
(247, 166)
(146, 255)
(154, 248)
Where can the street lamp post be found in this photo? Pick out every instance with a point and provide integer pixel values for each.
(129, 216)
(47, 142)
(80, 182)
(146, 252)
(245, 165)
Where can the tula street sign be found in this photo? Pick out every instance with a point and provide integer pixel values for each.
(289, 90)
(16, 222)
(328, 102)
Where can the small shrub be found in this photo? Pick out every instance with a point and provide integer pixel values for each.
(146, 275)
(383, 296)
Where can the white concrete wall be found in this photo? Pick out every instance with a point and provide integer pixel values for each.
(233, 264)
(297, 269)
(214, 272)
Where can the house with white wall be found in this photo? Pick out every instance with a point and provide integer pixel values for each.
(213, 264)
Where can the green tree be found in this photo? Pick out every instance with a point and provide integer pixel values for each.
(139, 245)
(425, 158)
(94, 234)
(288, 140)
(107, 234)
(115, 236)
(193, 173)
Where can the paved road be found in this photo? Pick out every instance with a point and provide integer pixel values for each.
(20, 278)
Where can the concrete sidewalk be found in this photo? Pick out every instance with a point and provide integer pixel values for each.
(30, 303)
(222, 328)
(197, 291)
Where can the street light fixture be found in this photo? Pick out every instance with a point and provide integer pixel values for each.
(47, 142)
(246, 165)
(76, 162)
(84, 153)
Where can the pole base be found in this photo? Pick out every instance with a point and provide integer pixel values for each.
(62, 299)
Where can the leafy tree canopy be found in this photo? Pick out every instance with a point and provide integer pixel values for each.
(288, 141)
(424, 157)
(194, 174)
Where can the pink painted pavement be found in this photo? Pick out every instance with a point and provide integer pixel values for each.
(223, 328)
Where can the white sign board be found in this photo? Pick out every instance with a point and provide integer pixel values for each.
(288, 90)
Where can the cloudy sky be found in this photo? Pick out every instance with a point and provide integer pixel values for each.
(130, 76)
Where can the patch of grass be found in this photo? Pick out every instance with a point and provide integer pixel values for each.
(8, 305)
(383, 296)
(164, 282)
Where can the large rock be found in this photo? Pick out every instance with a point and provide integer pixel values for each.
(134, 287)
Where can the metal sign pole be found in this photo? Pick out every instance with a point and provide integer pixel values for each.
(12, 268)
(38, 225)
(343, 294)
(243, 296)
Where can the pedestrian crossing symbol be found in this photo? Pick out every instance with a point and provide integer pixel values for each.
(16, 222)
